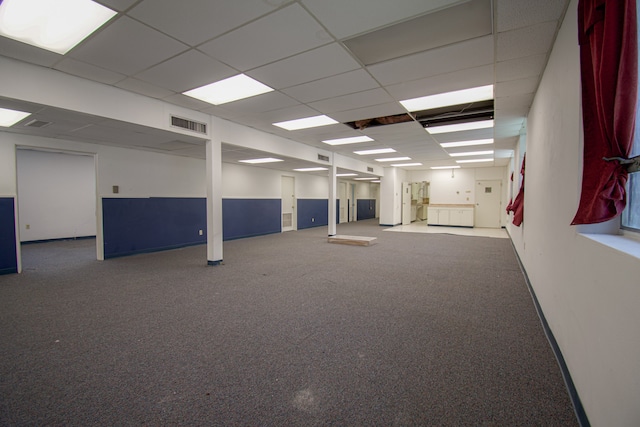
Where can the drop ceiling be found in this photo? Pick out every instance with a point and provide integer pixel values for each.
(320, 56)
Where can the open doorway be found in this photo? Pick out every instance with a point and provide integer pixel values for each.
(56, 203)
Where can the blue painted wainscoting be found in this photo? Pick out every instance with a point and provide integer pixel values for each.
(8, 256)
(366, 208)
(138, 225)
(250, 217)
(315, 213)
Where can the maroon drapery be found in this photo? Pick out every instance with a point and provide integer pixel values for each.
(609, 69)
(517, 205)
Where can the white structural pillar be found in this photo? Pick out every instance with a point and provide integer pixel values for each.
(333, 170)
(214, 201)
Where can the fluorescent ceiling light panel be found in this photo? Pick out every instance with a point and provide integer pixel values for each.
(310, 169)
(346, 174)
(474, 161)
(307, 122)
(393, 159)
(9, 118)
(56, 26)
(480, 124)
(376, 151)
(263, 160)
(364, 179)
(471, 153)
(376, 182)
(399, 165)
(228, 90)
(350, 140)
(466, 143)
(445, 167)
(464, 96)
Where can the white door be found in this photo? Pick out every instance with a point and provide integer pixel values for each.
(288, 203)
(344, 203)
(406, 203)
(488, 206)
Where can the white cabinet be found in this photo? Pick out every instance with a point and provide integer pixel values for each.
(450, 215)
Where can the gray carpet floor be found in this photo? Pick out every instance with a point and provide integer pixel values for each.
(417, 330)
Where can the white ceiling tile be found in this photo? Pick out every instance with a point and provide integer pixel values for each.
(196, 21)
(202, 70)
(467, 54)
(516, 87)
(342, 84)
(352, 101)
(319, 63)
(369, 112)
(345, 18)
(144, 88)
(284, 33)
(520, 68)
(527, 41)
(512, 14)
(260, 103)
(127, 47)
(515, 101)
(25, 52)
(463, 79)
(88, 71)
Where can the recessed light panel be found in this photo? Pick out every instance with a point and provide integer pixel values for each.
(365, 179)
(263, 160)
(310, 169)
(350, 140)
(458, 97)
(480, 124)
(445, 167)
(346, 174)
(305, 123)
(9, 118)
(467, 143)
(471, 153)
(376, 151)
(228, 90)
(393, 159)
(56, 26)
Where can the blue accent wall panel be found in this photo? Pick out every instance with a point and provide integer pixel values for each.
(250, 217)
(312, 213)
(138, 225)
(366, 208)
(8, 258)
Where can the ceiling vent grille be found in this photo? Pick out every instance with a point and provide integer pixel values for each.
(323, 158)
(37, 123)
(369, 169)
(189, 125)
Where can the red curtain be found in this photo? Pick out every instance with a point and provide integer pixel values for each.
(609, 69)
(517, 205)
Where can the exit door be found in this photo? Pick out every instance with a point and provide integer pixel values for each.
(406, 203)
(288, 203)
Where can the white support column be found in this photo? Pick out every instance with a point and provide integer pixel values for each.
(214, 201)
(333, 170)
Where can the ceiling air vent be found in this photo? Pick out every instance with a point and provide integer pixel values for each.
(369, 169)
(189, 124)
(323, 158)
(37, 123)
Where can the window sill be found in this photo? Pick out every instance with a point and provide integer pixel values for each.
(622, 243)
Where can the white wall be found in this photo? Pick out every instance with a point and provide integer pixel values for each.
(56, 195)
(588, 291)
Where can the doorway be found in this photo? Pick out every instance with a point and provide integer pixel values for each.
(57, 202)
(288, 203)
(488, 203)
(406, 203)
(344, 203)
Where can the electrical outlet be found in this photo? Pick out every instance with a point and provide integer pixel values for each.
(200, 232)
(28, 226)
(313, 220)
